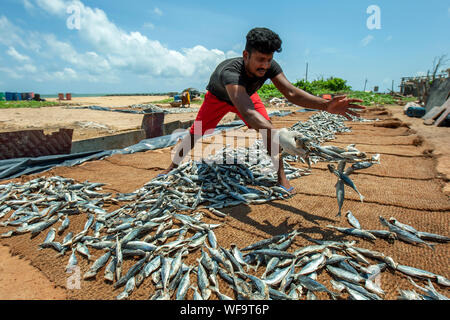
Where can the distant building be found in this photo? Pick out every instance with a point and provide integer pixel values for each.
(420, 86)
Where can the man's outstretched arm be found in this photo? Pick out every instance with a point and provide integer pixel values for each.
(241, 100)
(338, 104)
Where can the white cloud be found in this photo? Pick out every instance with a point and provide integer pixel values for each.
(28, 5)
(367, 40)
(389, 38)
(11, 73)
(89, 61)
(57, 7)
(136, 53)
(28, 68)
(158, 11)
(9, 33)
(16, 55)
(112, 53)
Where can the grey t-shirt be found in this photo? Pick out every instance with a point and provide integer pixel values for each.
(232, 71)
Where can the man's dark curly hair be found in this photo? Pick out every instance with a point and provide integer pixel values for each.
(263, 40)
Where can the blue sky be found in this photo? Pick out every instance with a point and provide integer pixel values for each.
(139, 46)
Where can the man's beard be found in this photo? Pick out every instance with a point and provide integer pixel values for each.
(258, 76)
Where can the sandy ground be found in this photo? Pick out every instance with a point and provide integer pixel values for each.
(113, 101)
(20, 280)
(438, 137)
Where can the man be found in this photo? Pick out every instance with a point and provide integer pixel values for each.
(233, 87)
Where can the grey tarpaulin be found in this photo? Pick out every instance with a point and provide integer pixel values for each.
(13, 168)
(149, 109)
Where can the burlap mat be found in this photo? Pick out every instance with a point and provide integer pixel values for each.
(247, 224)
(402, 187)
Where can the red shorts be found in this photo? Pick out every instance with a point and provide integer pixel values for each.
(213, 110)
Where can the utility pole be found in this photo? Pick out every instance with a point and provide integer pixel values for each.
(392, 86)
(306, 80)
(365, 83)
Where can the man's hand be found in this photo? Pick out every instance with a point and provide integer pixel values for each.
(341, 104)
(289, 142)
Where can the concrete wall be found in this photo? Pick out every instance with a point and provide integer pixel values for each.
(117, 141)
(123, 140)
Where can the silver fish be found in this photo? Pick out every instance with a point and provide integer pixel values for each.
(64, 225)
(50, 235)
(415, 272)
(238, 255)
(97, 265)
(340, 195)
(263, 243)
(352, 220)
(271, 265)
(165, 272)
(176, 262)
(203, 282)
(148, 269)
(184, 286)
(313, 285)
(409, 295)
(274, 253)
(404, 235)
(119, 259)
(277, 276)
(432, 237)
(403, 226)
(346, 275)
(262, 287)
(129, 287)
(355, 295)
(429, 290)
(354, 232)
(197, 295)
(72, 263)
(83, 250)
(373, 287)
(131, 273)
(313, 265)
(231, 258)
(212, 239)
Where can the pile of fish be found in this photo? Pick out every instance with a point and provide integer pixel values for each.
(396, 231)
(280, 102)
(219, 181)
(322, 127)
(150, 108)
